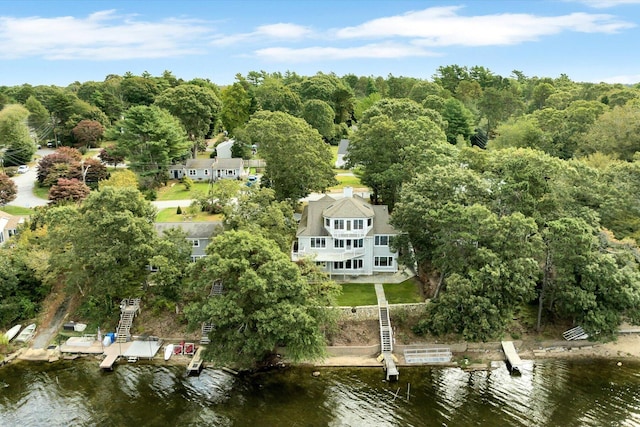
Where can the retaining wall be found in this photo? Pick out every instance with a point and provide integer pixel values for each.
(370, 312)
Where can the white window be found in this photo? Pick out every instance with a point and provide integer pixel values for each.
(193, 172)
(338, 243)
(358, 224)
(318, 242)
(383, 261)
(353, 264)
(196, 243)
(338, 265)
(369, 222)
(358, 243)
(382, 240)
(206, 172)
(153, 268)
(327, 222)
(231, 172)
(338, 224)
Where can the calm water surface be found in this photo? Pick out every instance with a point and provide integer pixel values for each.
(549, 393)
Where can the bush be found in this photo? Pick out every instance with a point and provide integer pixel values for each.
(179, 211)
(150, 194)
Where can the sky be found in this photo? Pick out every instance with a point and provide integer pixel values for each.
(46, 42)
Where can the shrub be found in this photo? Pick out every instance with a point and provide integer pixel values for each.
(179, 211)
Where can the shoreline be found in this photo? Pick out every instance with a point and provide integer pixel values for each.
(470, 356)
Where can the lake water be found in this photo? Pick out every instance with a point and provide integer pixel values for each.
(548, 393)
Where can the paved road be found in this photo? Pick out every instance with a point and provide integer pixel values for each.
(26, 182)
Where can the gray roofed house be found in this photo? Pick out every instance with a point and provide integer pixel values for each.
(198, 233)
(209, 169)
(346, 235)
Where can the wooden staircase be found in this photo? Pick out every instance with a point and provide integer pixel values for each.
(129, 309)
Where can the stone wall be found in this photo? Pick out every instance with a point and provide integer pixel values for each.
(370, 312)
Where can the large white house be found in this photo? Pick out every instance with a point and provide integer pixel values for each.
(346, 235)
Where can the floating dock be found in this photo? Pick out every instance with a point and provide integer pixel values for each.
(514, 363)
(196, 364)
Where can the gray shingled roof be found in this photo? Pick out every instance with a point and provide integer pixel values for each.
(312, 224)
(234, 163)
(194, 230)
(199, 163)
(343, 146)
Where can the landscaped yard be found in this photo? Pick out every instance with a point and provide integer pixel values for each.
(354, 294)
(42, 192)
(170, 215)
(176, 191)
(347, 181)
(403, 293)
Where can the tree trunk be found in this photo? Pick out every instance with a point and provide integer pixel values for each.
(435, 295)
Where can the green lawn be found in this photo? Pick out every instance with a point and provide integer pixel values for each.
(17, 210)
(347, 181)
(170, 215)
(175, 190)
(354, 294)
(42, 192)
(403, 293)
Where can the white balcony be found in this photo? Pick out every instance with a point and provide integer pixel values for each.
(326, 255)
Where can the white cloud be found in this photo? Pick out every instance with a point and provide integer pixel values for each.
(101, 36)
(443, 26)
(604, 4)
(277, 32)
(629, 79)
(319, 53)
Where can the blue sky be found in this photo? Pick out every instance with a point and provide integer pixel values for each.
(59, 42)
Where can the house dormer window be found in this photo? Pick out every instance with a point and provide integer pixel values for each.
(368, 222)
(196, 243)
(327, 222)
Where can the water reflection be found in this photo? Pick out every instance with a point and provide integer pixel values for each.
(550, 393)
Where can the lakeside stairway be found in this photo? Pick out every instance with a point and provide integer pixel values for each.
(129, 309)
(386, 335)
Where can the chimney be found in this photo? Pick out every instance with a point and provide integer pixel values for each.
(348, 191)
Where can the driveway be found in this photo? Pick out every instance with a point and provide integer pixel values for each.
(26, 182)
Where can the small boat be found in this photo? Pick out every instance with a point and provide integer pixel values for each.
(168, 351)
(27, 333)
(11, 333)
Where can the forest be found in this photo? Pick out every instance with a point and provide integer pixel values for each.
(510, 192)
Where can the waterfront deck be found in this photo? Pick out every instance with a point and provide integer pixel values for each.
(197, 364)
(132, 350)
(513, 360)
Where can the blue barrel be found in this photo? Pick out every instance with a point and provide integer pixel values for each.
(112, 336)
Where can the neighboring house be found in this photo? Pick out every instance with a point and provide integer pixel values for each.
(209, 169)
(346, 236)
(9, 226)
(198, 233)
(223, 150)
(343, 147)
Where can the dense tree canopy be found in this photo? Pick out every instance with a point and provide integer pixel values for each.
(14, 136)
(8, 189)
(298, 160)
(266, 302)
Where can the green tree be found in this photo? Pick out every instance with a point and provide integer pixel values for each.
(273, 95)
(138, 90)
(39, 119)
(103, 247)
(615, 132)
(197, 108)
(14, 136)
(488, 265)
(171, 259)
(258, 211)
(460, 121)
(266, 302)
(298, 160)
(120, 178)
(320, 116)
(391, 139)
(236, 105)
(152, 139)
(332, 90)
(8, 189)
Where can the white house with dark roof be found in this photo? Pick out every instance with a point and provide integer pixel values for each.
(346, 235)
(343, 148)
(9, 226)
(209, 169)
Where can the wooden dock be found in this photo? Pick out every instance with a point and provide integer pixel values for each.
(107, 362)
(513, 360)
(196, 364)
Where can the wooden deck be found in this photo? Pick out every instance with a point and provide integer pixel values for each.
(196, 364)
(514, 361)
